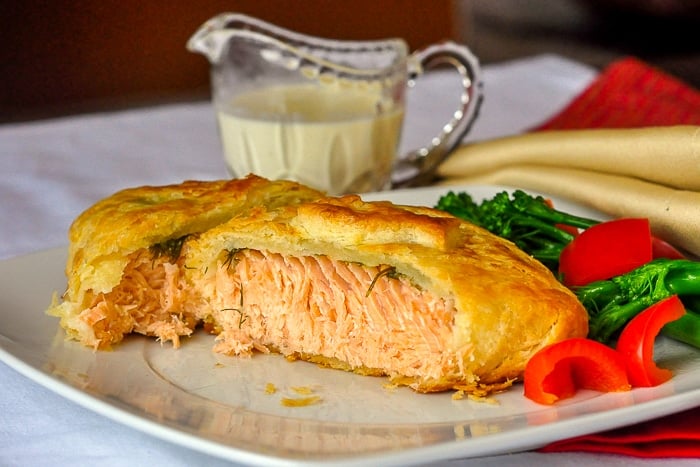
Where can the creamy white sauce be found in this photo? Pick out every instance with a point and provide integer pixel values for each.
(333, 138)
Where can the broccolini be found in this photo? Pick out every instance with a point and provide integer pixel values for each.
(612, 303)
(526, 220)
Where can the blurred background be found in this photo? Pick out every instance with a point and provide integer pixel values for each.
(61, 58)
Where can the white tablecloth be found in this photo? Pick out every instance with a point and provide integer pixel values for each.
(53, 169)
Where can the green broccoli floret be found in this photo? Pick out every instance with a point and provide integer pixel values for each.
(526, 220)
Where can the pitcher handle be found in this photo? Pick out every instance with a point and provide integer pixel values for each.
(418, 167)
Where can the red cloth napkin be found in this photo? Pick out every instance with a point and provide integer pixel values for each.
(676, 435)
(627, 94)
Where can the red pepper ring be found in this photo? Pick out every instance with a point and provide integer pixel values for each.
(636, 342)
(559, 370)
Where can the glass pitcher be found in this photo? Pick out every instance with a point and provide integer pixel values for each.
(327, 113)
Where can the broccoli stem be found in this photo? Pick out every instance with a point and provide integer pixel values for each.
(536, 207)
(538, 225)
(597, 294)
(684, 281)
(685, 329)
(601, 327)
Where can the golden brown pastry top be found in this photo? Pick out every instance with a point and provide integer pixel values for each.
(104, 235)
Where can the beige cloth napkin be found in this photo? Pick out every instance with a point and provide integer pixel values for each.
(651, 172)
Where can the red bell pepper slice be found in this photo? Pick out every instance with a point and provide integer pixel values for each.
(636, 342)
(663, 249)
(606, 250)
(559, 370)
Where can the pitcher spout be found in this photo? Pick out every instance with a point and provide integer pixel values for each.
(211, 38)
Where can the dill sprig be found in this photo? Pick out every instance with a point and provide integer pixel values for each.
(170, 248)
(389, 271)
(242, 318)
(230, 258)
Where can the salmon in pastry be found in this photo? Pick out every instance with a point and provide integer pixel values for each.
(415, 294)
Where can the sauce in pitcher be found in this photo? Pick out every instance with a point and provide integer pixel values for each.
(336, 139)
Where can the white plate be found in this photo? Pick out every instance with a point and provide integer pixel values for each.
(219, 405)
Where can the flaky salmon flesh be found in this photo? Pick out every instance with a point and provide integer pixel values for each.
(345, 315)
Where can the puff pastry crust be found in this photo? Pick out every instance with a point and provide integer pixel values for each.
(413, 293)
